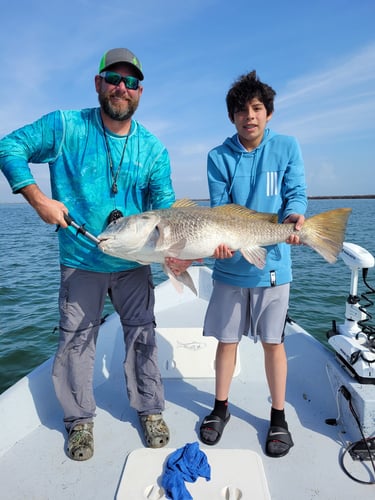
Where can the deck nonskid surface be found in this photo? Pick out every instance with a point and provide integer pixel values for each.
(38, 468)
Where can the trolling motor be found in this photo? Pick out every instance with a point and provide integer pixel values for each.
(354, 341)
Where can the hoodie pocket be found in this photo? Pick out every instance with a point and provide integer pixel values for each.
(273, 253)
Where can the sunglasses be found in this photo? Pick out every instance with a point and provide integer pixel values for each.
(112, 78)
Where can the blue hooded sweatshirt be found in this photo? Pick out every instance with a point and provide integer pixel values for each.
(73, 144)
(269, 179)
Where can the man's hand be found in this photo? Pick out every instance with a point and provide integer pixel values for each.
(179, 266)
(51, 211)
(298, 221)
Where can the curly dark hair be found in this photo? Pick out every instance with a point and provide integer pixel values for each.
(244, 89)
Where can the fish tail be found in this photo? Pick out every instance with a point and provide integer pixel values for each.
(325, 232)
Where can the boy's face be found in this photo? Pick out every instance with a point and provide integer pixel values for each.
(250, 123)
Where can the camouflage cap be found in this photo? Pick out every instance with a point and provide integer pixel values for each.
(115, 56)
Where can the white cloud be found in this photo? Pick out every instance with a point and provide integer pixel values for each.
(344, 77)
(332, 105)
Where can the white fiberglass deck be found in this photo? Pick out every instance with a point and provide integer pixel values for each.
(34, 465)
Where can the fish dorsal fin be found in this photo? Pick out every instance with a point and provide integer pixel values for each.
(240, 211)
(183, 203)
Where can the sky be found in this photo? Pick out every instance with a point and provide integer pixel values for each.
(319, 56)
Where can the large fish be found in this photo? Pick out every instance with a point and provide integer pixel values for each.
(189, 231)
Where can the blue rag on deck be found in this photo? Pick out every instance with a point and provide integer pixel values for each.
(184, 464)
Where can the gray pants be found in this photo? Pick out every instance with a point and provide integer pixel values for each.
(81, 302)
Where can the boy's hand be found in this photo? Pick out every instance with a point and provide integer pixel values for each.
(223, 252)
(179, 266)
(298, 221)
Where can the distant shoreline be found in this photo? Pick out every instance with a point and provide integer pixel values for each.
(344, 197)
(329, 197)
(338, 197)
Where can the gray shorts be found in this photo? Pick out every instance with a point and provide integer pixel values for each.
(234, 311)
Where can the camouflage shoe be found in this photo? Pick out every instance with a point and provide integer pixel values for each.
(155, 430)
(81, 442)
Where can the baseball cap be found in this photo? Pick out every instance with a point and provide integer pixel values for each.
(115, 56)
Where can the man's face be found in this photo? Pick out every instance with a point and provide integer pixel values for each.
(250, 123)
(118, 102)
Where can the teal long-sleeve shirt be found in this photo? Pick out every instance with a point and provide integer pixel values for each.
(72, 143)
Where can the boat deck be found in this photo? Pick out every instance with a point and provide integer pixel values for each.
(37, 467)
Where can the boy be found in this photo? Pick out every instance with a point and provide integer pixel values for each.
(263, 171)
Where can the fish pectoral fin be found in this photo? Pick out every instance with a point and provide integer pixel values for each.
(255, 255)
(173, 250)
(179, 280)
(164, 242)
(176, 249)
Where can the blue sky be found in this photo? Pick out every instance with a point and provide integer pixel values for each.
(318, 55)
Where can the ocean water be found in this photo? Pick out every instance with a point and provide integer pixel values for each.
(29, 282)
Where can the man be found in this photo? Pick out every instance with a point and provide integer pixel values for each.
(103, 164)
(263, 171)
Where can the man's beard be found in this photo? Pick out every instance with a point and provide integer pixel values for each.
(117, 113)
